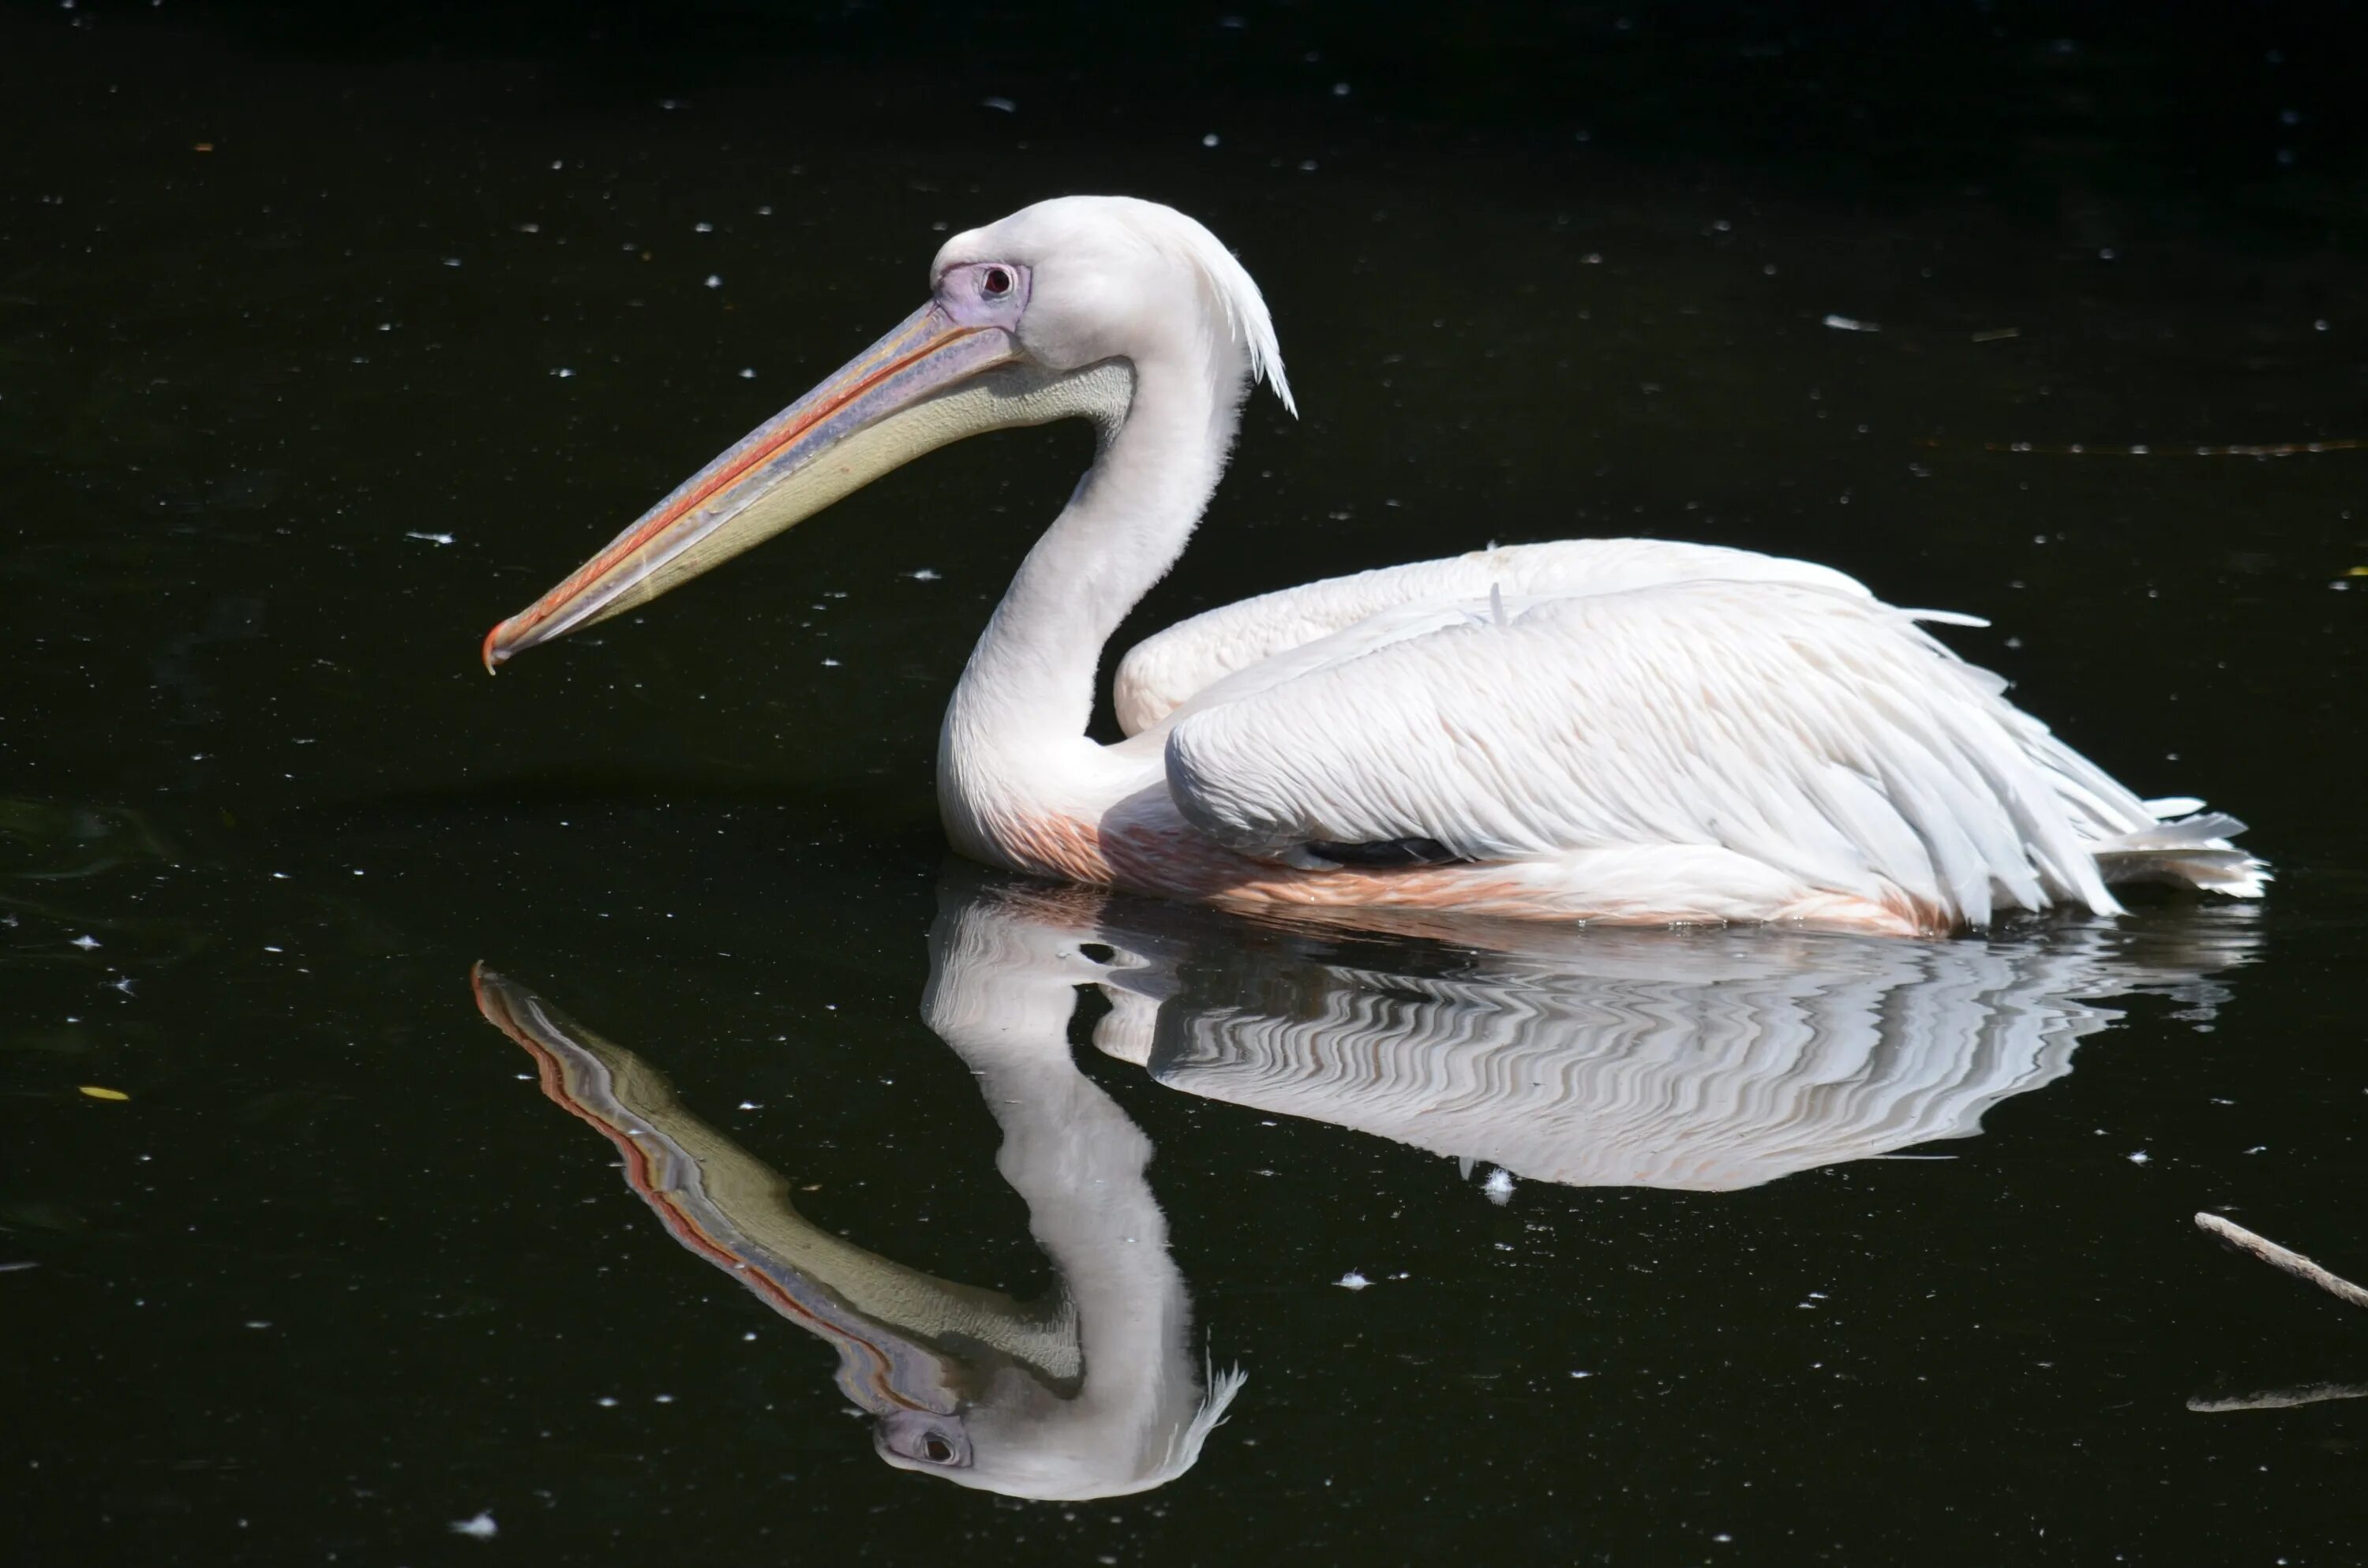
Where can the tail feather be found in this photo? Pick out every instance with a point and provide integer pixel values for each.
(2195, 850)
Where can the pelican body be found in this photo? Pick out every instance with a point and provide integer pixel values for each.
(1627, 730)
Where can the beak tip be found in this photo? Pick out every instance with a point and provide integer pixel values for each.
(490, 650)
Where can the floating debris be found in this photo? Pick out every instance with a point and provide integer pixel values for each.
(1850, 324)
(1352, 1280)
(1001, 105)
(2276, 1256)
(1499, 1187)
(428, 538)
(99, 1092)
(1997, 334)
(2280, 1399)
(482, 1528)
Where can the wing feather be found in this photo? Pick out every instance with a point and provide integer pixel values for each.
(1815, 731)
(1159, 674)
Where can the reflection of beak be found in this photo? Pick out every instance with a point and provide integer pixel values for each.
(923, 385)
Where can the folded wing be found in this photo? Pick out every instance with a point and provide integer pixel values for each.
(1813, 729)
(1161, 672)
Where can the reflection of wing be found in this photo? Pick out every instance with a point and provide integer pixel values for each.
(1691, 750)
(1711, 1060)
(1159, 673)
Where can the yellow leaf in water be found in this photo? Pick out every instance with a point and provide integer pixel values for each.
(97, 1093)
(2357, 572)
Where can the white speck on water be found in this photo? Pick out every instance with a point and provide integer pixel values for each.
(1352, 1280)
(750, 1105)
(482, 1528)
(703, 228)
(431, 538)
(1582, 1374)
(452, 261)
(2319, 326)
(562, 372)
(830, 663)
(716, 281)
(1001, 105)
(748, 373)
(1210, 140)
(2105, 252)
(1850, 324)
(258, 1322)
(923, 574)
(607, 1401)
(85, 942)
(2140, 1157)
(1339, 89)
(1307, 166)
(662, 1398)
(750, 1336)
(1499, 1187)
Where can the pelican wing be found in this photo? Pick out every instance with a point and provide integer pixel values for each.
(1159, 674)
(1807, 735)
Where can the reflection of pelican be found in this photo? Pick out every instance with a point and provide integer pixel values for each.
(1092, 1392)
(1697, 1060)
(1615, 730)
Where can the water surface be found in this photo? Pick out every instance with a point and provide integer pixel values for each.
(314, 362)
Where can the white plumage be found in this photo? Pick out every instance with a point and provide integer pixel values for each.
(1621, 729)
(1684, 748)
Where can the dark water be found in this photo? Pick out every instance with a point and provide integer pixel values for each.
(286, 423)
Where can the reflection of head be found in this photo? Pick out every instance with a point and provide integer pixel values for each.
(1089, 1392)
(1023, 1440)
(1004, 967)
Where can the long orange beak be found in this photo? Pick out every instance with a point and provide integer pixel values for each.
(923, 385)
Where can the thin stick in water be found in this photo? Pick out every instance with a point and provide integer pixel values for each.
(2280, 1399)
(2293, 1263)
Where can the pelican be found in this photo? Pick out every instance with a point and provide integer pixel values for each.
(1624, 731)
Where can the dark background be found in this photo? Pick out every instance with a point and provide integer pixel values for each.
(1538, 272)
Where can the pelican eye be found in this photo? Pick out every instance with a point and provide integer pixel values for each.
(934, 1449)
(996, 283)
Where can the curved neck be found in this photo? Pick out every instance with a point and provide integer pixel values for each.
(1019, 718)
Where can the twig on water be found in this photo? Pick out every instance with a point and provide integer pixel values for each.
(2280, 1399)
(2293, 1263)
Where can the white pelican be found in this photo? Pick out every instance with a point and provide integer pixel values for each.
(1617, 729)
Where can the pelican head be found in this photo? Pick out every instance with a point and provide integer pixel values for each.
(1055, 312)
